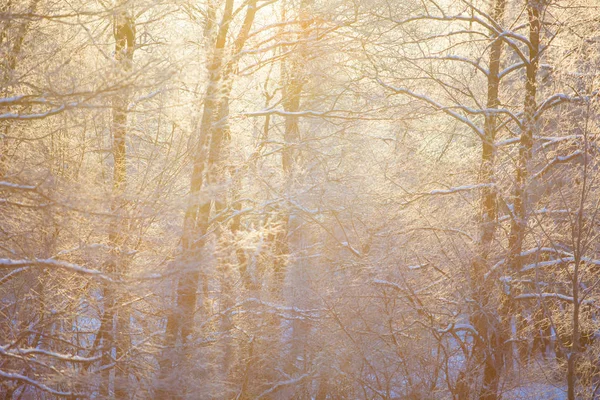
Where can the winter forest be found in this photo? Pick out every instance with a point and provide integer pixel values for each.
(300, 199)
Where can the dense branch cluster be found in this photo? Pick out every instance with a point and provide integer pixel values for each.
(299, 199)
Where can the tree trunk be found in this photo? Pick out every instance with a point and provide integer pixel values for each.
(7, 68)
(483, 316)
(116, 324)
(519, 220)
(288, 247)
(520, 216)
(213, 133)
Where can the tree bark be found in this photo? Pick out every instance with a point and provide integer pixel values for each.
(212, 133)
(7, 68)
(519, 220)
(115, 325)
(484, 316)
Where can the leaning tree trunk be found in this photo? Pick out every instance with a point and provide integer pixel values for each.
(218, 140)
(195, 225)
(214, 132)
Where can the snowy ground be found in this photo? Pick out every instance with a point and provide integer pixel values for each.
(536, 391)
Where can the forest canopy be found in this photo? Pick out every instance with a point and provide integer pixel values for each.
(299, 199)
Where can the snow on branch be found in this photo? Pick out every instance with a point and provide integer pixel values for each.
(560, 98)
(15, 186)
(437, 106)
(439, 229)
(542, 264)
(452, 190)
(568, 299)
(12, 274)
(459, 59)
(459, 327)
(275, 387)
(563, 260)
(510, 69)
(6, 263)
(550, 250)
(493, 27)
(399, 288)
(557, 160)
(548, 140)
(28, 381)
(287, 312)
(390, 284)
(305, 113)
(40, 115)
(589, 260)
(460, 189)
(535, 250)
(11, 100)
(21, 353)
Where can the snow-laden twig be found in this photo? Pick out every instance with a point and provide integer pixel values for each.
(20, 353)
(436, 106)
(438, 229)
(390, 284)
(444, 192)
(541, 211)
(510, 68)
(16, 186)
(310, 312)
(556, 160)
(26, 380)
(306, 113)
(12, 274)
(563, 260)
(453, 57)
(140, 99)
(549, 263)
(459, 189)
(459, 327)
(399, 288)
(560, 98)
(6, 263)
(548, 140)
(531, 296)
(492, 26)
(507, 142)
(40, 115)
(10, 100)
(530, 252)
(282, 384)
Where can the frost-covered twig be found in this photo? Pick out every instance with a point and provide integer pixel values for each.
(275, 387)
(28, 381)
(560, 98)
(16, 186)
(6, 263)
(21, 353)
(557, 160)
(530, 296)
